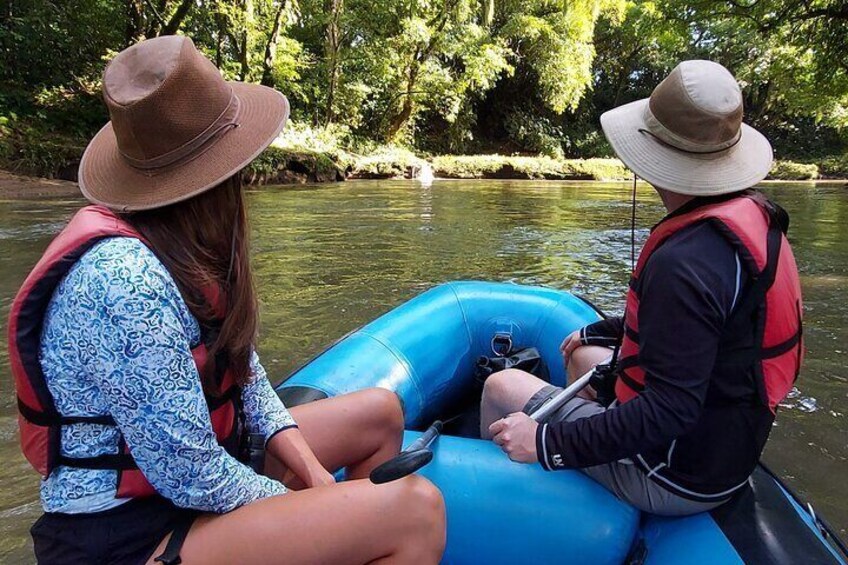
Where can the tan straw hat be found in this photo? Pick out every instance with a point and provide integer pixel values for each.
(688, 137)
(177, 127)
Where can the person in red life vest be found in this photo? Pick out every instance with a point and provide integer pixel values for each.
(710, 341)
(132, 347)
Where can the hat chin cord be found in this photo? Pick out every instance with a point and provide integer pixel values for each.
(613, 361)
(633, 227)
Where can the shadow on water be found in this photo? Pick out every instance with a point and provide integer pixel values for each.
(331, 258)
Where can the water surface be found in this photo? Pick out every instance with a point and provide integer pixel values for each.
(329, 259)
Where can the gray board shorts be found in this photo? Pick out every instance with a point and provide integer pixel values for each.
(627, 481)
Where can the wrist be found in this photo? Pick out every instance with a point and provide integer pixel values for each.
(274, 434)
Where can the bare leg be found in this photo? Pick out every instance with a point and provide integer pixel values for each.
(582, 360)
(353, 522)
(357, 431)
(508, 391)
(585, 358)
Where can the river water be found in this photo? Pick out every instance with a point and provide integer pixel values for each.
(330, 258)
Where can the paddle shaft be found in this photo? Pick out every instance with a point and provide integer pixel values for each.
(427, 438)
(559, 399)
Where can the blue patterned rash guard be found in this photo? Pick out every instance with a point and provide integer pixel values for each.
(117, 340)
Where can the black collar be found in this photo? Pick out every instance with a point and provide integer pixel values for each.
(700, 201)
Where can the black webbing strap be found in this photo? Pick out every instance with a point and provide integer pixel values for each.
(105, 462)
(215, 402)
(631, 333)
(171, 554)
(781, 348)
(621, 368)
(40, 418)
(739, 324)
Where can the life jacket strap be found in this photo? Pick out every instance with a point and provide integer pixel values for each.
(215, 402)
(40, 418)
(632, 334)
(747, 356)
(621, 373)
(750, 308)
(105, 462)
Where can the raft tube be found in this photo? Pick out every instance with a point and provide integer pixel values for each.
(503, 512)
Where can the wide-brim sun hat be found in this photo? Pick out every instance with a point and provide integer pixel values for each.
(177, 127)
(688, 137)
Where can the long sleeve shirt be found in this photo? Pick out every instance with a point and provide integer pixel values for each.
(688, 289)
(116, 340)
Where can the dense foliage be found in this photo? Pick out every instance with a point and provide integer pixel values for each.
(439, 76)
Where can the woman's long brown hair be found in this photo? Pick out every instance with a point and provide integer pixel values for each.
(203, 242)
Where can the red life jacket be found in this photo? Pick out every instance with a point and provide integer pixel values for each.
(771, 309)
(40, 422)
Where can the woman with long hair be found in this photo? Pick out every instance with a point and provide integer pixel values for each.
(132, 346)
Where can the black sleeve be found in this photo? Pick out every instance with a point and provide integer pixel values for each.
(687, 289)
(606, 332)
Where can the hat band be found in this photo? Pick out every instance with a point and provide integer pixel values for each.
(656, 129)
(199, 144)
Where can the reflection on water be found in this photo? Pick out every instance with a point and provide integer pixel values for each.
(329, 259)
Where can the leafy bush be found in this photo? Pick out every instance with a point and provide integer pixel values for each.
(790, 170)
(306, 154)
(468, 166)
(278, 165)
(535, 134)
(302, 154)
(30, 151)
(834, 167)
(521, 167)
(387, 162)
(600, 168)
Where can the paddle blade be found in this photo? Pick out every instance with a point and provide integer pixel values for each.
(404, 464)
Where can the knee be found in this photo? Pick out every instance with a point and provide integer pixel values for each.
(385, 408)
(580, 361)
(496, 387)
(427, 505)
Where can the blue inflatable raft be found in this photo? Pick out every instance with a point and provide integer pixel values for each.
(504, 512)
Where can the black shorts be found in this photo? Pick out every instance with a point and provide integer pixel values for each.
(127, 534)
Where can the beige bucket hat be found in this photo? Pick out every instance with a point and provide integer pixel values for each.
(177, 127)
(688, 137)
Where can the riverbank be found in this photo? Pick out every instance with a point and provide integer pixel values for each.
(20, 187)
(283, 163)
(306, 155)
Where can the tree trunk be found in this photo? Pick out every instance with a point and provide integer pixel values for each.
(271, 46)
(623, 73)
(156, 22)
(135, 21)
(176, 20)
(244, 56)
(331, 48)
(9, 66)
(420, 57)
(221, 25)
(399, 121)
